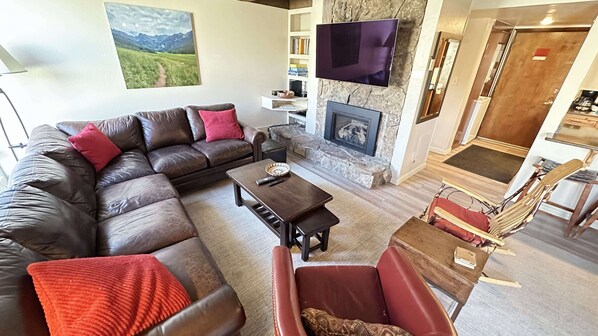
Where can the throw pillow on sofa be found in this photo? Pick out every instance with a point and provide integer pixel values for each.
(94, 146)
(120, 295)
(221, 125)
(320, 323)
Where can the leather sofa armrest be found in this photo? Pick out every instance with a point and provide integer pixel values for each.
(219, 313)
(287, 313)
(256, 138)
(410, 302)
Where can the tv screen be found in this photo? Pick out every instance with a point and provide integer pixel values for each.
(359, 52)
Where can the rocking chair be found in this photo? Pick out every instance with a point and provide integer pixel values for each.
(484, 231)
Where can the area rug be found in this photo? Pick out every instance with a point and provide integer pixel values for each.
(558, 295)
(487, 162)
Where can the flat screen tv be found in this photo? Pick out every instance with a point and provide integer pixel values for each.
(359, 52)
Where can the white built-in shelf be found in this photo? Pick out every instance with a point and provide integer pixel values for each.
(299, 56)
(299, 33)
(275, 103)
(301, 78)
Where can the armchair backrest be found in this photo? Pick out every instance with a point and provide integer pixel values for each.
(515, 217)
(409, 301)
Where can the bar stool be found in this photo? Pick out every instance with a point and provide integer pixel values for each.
(587, 178)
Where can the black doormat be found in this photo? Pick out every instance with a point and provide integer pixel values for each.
(489, 163)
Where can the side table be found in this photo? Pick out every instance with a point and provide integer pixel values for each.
(431, 251)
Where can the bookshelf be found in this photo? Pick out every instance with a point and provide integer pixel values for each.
(300, 51)
(299, 60)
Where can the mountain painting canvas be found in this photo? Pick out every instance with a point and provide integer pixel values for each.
(155, 47)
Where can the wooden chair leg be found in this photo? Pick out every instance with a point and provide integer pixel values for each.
(577, 211)
(586, 225)
(505, 251)
(499, 282)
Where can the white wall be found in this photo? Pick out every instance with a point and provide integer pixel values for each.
(568, 192)
(74, 71)
(413, 140)
(591, 80)
(493, 4)
(472, 49)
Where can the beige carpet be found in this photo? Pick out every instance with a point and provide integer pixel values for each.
(558, 298)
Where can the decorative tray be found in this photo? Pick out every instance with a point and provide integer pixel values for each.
(278, 169)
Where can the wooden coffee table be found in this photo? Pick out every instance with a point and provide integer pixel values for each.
(431, 251)
(294, 205)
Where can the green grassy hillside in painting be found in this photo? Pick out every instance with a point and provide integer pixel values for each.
(143, 69)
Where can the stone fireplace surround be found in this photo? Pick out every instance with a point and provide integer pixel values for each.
(360, 168)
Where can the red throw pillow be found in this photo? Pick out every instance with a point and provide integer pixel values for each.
(94, 146)
(221, 125)
(121, 295)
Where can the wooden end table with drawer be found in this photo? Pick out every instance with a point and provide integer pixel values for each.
(431, 251)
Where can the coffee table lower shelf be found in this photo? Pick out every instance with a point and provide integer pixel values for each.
(316, 223)
(260, 211)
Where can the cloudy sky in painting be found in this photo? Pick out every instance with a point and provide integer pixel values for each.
(150, 21)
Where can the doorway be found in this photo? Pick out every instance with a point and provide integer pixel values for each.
(535, 68)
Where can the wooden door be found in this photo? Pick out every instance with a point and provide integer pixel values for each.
(527, 86)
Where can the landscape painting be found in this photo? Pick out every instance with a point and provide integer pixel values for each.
(156, 47)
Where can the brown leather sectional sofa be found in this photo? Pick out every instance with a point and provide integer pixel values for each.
(57, 207)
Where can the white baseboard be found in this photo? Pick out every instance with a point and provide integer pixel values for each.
(411, 173)
(555, 211)
(442, 151)
(561, 213)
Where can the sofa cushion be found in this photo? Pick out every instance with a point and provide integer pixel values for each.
(197, 125)
(145, 230)
(128, 294)
(47, 140)
(221, 125)
(124, 131)
(46, 174)
(348, 292)
(46, 224)
(20, 311)
(223, 151)
(127, 166)
(193, 265)
(133, 194)
(175, 161)
(94, 146)
(165, 128)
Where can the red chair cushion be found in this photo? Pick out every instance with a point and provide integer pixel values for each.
(221, 125)
(347, 292)
(474, 218)
(121, 295)
(94, 146)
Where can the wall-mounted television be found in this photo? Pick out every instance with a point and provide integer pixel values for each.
(359, 52)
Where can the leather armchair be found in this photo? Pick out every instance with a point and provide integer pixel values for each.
(348, 292)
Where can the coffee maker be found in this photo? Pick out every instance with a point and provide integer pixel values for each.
(299, 87)
(584, 102)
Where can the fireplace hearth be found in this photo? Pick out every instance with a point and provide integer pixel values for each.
(352, 127)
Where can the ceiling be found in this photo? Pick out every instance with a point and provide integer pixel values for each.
(564, 14)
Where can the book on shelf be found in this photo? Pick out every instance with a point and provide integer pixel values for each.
(297, 65)
(300, 46)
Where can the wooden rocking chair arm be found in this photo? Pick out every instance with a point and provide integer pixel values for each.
(467, 227)
(468, 192)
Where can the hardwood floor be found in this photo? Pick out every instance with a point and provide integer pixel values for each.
(412, 196)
